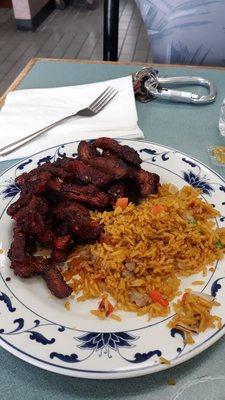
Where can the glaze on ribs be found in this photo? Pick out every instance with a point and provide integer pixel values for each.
(53, 209)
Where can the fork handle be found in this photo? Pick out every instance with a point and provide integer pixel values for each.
(19, 143)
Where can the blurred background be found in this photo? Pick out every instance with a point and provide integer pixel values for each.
(36, 28)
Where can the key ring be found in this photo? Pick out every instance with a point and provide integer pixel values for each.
(149, 86)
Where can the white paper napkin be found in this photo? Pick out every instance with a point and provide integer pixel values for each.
(26, 111)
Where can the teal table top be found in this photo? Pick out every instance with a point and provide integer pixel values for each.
(184, 127)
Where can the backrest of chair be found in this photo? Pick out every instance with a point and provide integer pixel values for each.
(185, 31)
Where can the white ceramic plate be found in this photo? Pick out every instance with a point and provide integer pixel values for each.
(36, 327)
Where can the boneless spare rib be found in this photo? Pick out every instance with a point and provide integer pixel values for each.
(53, 208)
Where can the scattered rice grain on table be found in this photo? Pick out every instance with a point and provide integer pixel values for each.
(171, 381)
(147, 249)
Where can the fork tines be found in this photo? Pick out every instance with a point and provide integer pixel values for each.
(103, 99)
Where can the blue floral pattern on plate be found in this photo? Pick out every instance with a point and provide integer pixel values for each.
(38, 329)
(197, 182)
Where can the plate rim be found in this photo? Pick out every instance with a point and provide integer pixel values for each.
(120, 374)
(118, 138)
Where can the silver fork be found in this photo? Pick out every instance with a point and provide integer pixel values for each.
(93, 109)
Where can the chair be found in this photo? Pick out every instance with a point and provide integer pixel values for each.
(185, 31)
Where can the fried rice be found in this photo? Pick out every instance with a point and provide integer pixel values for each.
(146, 250)
(193, 314)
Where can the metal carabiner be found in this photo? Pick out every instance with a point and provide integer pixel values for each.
(155, 89)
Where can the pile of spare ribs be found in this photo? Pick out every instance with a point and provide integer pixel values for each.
(53, 209)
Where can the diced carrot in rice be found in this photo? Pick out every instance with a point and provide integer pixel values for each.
(122, 202)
